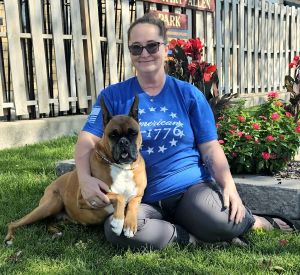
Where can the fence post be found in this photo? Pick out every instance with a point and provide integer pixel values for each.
(35, 11)
(16, 57)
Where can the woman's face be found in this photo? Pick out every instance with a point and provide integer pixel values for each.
(141, 35)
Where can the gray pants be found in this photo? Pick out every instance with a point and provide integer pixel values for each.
(198, 211)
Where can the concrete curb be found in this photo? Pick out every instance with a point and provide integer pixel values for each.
(20, 133)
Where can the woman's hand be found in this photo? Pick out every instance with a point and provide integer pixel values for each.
(93, 192)
(233, 201)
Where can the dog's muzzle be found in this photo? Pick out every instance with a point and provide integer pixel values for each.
(125, 151)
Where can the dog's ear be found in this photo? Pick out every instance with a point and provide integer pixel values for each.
(134, 110)
(105, 113)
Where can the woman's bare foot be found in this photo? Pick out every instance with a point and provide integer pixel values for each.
(263, 223)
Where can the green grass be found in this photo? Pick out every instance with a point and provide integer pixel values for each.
(26, 171)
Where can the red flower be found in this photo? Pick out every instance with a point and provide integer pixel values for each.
(270, 138)
(172, 44)
(297, 129)
(193, 48)
(240, 134)
(234, 154)
(248, 136)
(255, 126)
(196, 43)
(275, 116)
(208, 72)
(278, 103)
(180, 42)
(232, 132)
(295, 62)
(218, 125)
(273, 94)
(192, 67)
(221, 141)
(288, 114)
(233, 126)
(241, 118)
(257, 141)
(187, 48)
(265, 155)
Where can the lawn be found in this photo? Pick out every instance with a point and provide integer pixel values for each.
(26, 171)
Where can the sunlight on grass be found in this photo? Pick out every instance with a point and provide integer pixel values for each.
(24, 174)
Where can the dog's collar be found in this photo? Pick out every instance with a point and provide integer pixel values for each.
(112, 163)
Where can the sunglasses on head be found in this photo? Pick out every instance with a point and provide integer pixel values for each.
(151, 47)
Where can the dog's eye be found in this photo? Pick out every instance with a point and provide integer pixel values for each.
(132, 132)
(114, 134)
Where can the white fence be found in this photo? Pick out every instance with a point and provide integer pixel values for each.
(52, 63)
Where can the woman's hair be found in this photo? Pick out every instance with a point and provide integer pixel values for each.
(152, 19)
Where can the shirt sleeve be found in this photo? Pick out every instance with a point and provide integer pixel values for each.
(201, 117)
(94, 123)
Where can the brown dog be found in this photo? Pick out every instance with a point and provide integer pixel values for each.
(116, 161)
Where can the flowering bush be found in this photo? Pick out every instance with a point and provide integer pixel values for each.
(293, 87)
(260, 140)
(185, 62)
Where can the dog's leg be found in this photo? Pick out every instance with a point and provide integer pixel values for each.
(118, 202)
(130, 223)
(50, 204)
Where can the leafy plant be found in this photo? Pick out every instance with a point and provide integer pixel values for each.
(185, 63)
(260, 140)
(293, 87)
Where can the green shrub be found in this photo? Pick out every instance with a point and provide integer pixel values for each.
(261, 140)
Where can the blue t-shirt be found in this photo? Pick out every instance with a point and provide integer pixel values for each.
(172, 124)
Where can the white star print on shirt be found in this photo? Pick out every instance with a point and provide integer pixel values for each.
(173, 115)
(152, 109)
(150, 150)
(141, 111)
(162, 149)
(179, 124)
(173, 142)
(181, 134)
(163, 109)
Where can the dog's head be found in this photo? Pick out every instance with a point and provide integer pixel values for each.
(122, 137)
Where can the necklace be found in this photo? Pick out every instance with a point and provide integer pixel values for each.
(114, 164)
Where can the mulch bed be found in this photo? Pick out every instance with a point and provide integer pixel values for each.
(292, 171)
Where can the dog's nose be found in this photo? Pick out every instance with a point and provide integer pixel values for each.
(124, 141)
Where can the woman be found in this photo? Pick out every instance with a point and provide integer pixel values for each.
(180, 149)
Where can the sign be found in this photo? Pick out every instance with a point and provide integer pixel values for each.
(207, 5)
(177, 24)
(172, 20)
(178, 3)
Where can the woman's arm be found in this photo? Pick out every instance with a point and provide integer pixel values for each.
(90, 186)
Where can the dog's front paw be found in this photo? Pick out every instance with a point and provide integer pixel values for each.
(128, 232)
(130, 226)
(117, 225)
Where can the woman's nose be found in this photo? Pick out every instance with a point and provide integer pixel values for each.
(144, 52)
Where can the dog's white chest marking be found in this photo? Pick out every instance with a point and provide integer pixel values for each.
(122, 181)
